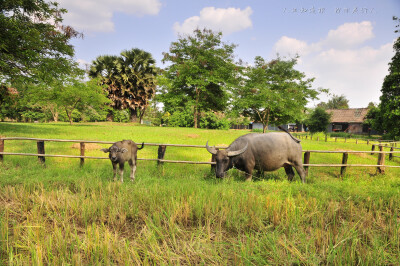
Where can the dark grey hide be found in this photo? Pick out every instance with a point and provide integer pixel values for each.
(263, 152)
(121, 152)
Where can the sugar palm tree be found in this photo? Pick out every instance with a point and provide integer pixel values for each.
(129, 79)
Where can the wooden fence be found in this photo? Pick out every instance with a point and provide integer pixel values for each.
(162, 149)
(348, 140)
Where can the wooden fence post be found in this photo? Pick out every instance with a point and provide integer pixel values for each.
(336, 139)
(1, 149)
(213, 160)
(344, 161)
(306, 160)
(82, 145)
(367, 141)
(161, 153)
(356, 141)
(381, 161)
(40, 148)
(391, 153)
(373, 149)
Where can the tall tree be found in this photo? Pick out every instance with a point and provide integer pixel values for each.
(335, 102)
(34, 44)
(130, 79)
(201, 72)
(274, 92)
(390, 98)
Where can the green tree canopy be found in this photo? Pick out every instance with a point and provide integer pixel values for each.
(274, 92)
(201, 73)
(65, 95)
(34, 44)
(336, 102)
(390, 99)
(130, 79)
(318, 120)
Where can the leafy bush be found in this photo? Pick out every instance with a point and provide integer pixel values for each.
(318, 120)
(121, 116)
(31, 116)
(181, 118)
(211, 121)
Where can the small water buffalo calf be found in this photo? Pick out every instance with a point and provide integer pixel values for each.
(119, 153)
(264, 152)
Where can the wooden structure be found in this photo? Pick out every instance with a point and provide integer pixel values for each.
(348, 120)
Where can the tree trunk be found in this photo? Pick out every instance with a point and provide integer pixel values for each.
(69, 115)
(110, 116)
(196, 107)
(133, 115)
(266, 122)
(142, 111)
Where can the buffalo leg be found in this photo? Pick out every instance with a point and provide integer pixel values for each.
(133, 169)
(121, 171)
(289, 172)
(300, 170)
(249, 171)
(114, 171)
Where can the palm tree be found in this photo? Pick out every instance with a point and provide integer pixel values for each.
(129, 79)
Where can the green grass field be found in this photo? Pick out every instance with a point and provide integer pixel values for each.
(181, 214)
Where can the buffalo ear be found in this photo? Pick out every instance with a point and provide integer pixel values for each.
(105, 150)
(123, 150)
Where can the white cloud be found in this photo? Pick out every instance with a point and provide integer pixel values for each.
(292, 47)
(349, 35)
(227, 20)
(96, 15)
(343, 62)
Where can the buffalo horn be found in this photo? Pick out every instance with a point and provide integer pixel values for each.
(235, 153)
(211, 150)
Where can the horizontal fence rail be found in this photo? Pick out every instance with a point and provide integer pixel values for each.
(162, 148)
(347, 140)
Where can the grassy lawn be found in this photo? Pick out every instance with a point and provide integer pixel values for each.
(181, 214)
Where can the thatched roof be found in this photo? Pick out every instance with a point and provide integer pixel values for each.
(354, 115)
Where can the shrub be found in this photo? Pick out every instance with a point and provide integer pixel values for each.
(210, 120)
(121, 116)
(181, 118)
(318, 120)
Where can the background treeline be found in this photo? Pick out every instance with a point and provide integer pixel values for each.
(203, 84)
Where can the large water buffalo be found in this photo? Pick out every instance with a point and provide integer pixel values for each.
(264, 152)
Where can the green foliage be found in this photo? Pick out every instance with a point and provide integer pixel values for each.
(34, 45)
(211, 120)
(181, 118)
(336, 102)
(121, 116)
(200, 74)
(374, 119)
(274, 92)
(318, 120)
(390, 99)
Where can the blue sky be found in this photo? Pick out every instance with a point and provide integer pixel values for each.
(345, 44)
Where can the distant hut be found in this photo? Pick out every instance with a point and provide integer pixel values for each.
(348, 120)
